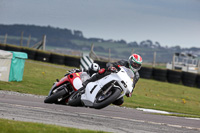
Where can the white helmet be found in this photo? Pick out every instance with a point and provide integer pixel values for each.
(94, 68)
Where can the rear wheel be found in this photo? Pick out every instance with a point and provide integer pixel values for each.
(103, 100)
(56, 97)
(75, 98)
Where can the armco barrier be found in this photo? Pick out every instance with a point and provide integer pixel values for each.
(198, 81)
(160, 74)
(174, 76)
(31, 53)
(42, 56)
(72, 61)
(146, 72)
(189, 79)
(57, 59)
(13, 48)
(101, 64)
(2, 46)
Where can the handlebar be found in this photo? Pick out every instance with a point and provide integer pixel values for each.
(72, 71)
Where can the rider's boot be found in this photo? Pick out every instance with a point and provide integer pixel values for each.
(102, 73)
(119, 101)
(91, 79)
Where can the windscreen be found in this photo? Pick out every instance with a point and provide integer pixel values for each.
(84, 76)
(129, 72)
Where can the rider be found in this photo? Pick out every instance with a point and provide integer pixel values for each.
(94, 68)
(134, 64)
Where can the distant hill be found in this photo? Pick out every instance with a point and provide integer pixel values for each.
(59, 39)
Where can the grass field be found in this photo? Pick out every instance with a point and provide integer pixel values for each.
(11, 126)
(39, 77)
(165, 96)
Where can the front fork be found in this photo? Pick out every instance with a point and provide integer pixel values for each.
(107, 90)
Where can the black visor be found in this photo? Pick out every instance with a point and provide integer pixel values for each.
(135, 65)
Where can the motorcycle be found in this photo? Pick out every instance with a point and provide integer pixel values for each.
(64, 88)
(104, 91)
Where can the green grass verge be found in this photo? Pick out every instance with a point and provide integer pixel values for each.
(11, 126)
(38, 79)
(165, 96)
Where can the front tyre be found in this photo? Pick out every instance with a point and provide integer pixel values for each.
(55, 97)
(105, 100)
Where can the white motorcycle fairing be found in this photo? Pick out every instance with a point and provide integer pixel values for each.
(125, 84)
(77, 83)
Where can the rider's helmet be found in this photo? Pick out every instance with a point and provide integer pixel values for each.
(135, 62)
(94, 68)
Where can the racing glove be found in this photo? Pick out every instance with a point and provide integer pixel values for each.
(112, 69)
(129, 94)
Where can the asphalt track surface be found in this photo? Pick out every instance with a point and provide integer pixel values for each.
(31, 108)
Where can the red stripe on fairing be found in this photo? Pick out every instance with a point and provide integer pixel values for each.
(62, 81)
(68, 79)
(72, 79)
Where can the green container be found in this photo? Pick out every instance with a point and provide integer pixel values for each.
(17, 66)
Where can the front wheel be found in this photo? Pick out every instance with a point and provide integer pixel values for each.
(105, 100)
(54, 98)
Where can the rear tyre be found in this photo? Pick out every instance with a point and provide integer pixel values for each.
(110, 97)
(75, 98)
(54, 97)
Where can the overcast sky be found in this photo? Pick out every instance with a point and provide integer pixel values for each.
(170, 22)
